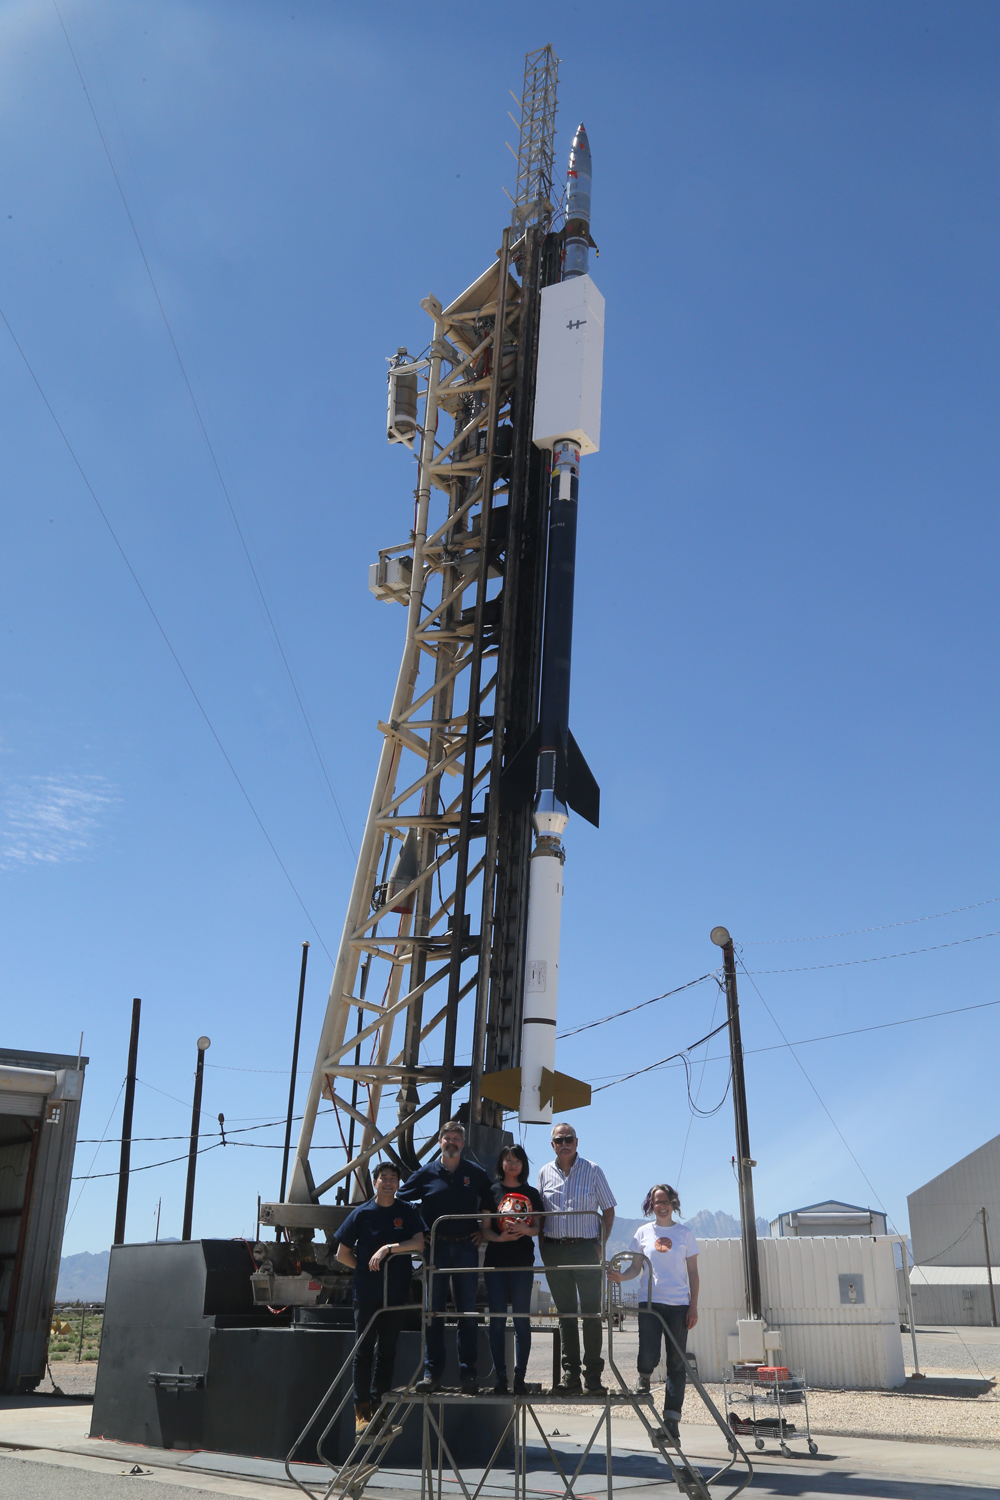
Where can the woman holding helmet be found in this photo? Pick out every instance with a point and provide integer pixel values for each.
(508, 1268)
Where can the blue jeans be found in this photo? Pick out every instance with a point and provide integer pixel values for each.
(650, 1334)
(378, 1347)
(450, 1255)
(509, 1284)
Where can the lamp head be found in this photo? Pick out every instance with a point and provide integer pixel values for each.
(720, 936)
(204, 1043)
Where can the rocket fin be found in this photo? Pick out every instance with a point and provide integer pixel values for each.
(503, 1088)
(565, 1091)
(517, 781)
(583, 794)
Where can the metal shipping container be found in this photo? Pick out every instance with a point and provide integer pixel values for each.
(39, 1115)
(833, 1300)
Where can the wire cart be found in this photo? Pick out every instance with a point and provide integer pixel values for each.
(756, 1404)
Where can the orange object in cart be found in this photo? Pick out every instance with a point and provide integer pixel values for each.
(772, 1372)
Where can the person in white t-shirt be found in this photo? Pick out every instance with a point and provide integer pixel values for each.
(672, 1251)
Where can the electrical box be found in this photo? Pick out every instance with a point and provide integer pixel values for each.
(389, 578)
(751, 1336)
(733, 1348)
(852, 1289)
(570, 365)
(772, 1341)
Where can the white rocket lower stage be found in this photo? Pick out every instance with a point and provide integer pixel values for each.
(541, 978)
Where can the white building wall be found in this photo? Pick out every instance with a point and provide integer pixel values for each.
(831, 1344)
(946, 1207)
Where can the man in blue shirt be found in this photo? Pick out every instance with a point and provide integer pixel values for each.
(381, 1229)
(451, 1186)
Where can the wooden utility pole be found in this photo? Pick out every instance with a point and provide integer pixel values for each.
(989, 1268)
(744, 1162)
(125, 1160)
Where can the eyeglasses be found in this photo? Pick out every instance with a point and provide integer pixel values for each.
(563, 1140)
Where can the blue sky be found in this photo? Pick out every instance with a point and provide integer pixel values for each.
(786, 647)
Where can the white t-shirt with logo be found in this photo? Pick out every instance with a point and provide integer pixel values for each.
(670, 1277)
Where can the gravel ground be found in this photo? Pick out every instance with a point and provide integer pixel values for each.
(72, 1379)
(965, 1353)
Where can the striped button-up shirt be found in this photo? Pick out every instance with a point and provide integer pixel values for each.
(577, 1199)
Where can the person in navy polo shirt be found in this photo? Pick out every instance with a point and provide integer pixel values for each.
(451, 1186)
(379, 1230)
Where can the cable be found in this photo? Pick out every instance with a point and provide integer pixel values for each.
(701, 1080)
(163, 633)
(884, 927)
(562, 1035)
(972, 1224)
(169, 1162)
(832, 1036)
(79, 1195)
(847, 963)
(204, 429)
(704, 1114)
(663, 1060)
(815, 1090)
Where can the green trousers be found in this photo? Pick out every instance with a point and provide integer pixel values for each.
(570, 1289)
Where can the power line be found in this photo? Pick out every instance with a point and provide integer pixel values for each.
(204, 430)
(163, 633)
(856, 931)
(562, 1035)
(663, 1060)
(815, 1090)
(879, 958)
(855, 1031)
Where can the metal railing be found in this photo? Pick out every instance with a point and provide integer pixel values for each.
(370, 1449)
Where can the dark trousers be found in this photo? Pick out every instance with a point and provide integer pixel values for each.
(452, 1255)
(650, 1334)
(568, 1286)
(509, 1284)
(377, 1348)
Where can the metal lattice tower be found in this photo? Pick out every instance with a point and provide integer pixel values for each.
(533, 197)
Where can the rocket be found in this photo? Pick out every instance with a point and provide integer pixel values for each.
(550, 769)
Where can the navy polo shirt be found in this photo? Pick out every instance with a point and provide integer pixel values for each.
(366, 1229)
(467, 1190)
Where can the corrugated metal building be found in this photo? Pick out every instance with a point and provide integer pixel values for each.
(945, 1223)
(952, 1296)
(950, 1284)
(833, 1299)
(829, 1218)
(39, 1110)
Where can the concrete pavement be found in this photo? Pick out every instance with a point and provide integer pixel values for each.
(45, 1453)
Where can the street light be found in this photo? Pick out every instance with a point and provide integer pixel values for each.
(744, 1162)
(204, 1043)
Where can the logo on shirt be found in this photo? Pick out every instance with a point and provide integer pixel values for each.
(663, 1244)
(466, 1181)
(397, 1223)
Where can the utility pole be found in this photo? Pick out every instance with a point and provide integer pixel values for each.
(989, 1269)
(203, 1045)
(123, 1165)
(745, 1163)
(295, 1068)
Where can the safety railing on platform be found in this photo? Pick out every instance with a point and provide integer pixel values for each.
(371, 1447)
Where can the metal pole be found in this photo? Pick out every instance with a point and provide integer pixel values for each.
(203, 1045)
(745, 1163)
(83, 1320)
(123, 1166)
(295, 1068)
(989, 1270)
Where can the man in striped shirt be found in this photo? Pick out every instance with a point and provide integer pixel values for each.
(581, 1212)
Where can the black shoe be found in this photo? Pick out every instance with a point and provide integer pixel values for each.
(642, 1388)
(427, 1386)
(500, 1389)
(668, 1433)
(571, 1385)
(470, 1385)
(595, 1388)
(520, 1389)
